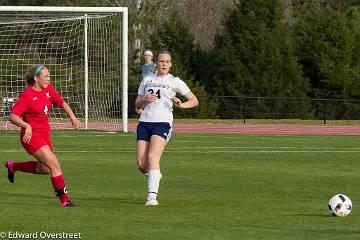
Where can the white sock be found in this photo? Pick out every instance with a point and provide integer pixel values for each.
(153, 183)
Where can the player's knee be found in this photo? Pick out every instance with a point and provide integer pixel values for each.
(42, 169)
(45, 171)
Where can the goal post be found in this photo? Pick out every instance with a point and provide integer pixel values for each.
(86, 51)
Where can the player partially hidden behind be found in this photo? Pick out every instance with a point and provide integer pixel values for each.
(31, 114)
(149, 67)
(156, 95)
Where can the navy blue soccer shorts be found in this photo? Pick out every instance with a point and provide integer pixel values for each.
(145, 130)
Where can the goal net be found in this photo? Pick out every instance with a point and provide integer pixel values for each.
(85, 50)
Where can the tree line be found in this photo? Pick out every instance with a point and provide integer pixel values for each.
(259, 48)
(313, 53)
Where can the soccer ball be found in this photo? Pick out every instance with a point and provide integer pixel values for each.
(340, 205)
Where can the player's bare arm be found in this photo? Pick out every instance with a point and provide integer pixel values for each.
(18, 121)
(75, 122)
(142, 100)
(191, 102)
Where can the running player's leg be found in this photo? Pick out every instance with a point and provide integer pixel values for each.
(143, 135)
(157, 146)
(41, 168)
(142, 148)
(13, 167)
(35, 167)
(48, 158)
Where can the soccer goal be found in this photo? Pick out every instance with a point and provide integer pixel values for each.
(86, 52)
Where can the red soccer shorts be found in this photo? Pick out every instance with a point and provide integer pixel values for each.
(37, 141)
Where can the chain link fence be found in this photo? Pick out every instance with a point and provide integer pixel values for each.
(245, 109)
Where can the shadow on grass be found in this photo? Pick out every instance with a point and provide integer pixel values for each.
(112, 200)
(29, 199)
(43, 199)
(313, 215)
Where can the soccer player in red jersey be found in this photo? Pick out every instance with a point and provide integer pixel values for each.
(31, 114)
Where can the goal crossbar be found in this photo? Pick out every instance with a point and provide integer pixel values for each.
(62, 9)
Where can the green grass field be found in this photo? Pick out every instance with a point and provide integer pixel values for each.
(214, 186)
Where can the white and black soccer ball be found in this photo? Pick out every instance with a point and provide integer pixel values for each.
(340, 205)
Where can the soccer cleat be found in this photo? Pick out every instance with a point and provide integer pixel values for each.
(68, 204)
(11, 173)
(152, 202)
(151, 199)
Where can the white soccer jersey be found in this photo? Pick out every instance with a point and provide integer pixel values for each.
(165, 88)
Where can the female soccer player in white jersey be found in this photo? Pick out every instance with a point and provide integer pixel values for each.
(156, 95)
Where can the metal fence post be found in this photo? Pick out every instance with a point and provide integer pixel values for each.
(244, 109)
(324, 110)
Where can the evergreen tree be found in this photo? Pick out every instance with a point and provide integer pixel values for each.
(254, 56)
(174, 35)
(353, 90)
(326, 45)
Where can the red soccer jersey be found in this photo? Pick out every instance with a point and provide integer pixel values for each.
(34, 106)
